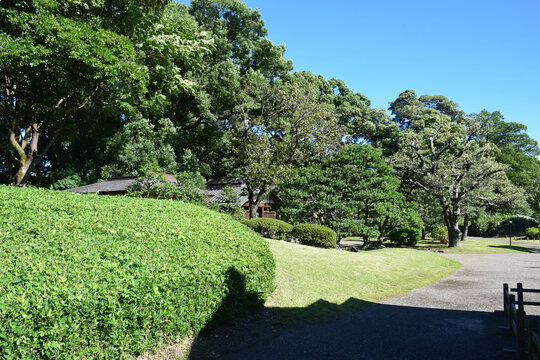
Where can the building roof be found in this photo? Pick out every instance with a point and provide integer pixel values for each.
(214, 189)
(113, 185)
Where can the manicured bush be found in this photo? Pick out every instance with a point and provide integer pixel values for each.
(532, 232)
(103, 277)
(270, 228)
(440, 234)
(315, 235)
(405, 235)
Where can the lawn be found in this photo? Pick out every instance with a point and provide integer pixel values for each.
(474, 246)
(306, 275)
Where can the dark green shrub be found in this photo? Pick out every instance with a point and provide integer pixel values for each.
(315, 235)
(108, 277)
(440, 234)
(532, 232)
(270, 228)
(518, 225)
(405, 235)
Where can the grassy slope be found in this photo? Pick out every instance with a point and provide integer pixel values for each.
(306, 274)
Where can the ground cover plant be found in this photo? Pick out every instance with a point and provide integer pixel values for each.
(85, 276)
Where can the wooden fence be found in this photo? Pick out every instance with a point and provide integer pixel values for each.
(515, 314)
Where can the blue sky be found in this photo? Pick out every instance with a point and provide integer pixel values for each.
(480, 54)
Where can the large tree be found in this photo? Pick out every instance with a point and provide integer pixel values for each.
(58, 57)
(353, 191)
(446, 154)
(274, 126)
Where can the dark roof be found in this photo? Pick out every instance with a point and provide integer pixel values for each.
(112, 185)
(214, 189)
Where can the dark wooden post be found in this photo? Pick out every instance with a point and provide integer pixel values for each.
(533, 328)
(511, 302)
(505, 298)
(520, 296)
(520, 331)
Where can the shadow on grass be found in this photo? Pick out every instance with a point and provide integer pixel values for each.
(515, 248)
(356, 329)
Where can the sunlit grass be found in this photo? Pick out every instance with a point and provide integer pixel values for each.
(474, 246)
(307, 274)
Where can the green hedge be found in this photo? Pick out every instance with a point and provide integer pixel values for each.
(100, 277)
(315, 235)
(405, 235)
(532, 232)
(270, 228)
(440, 234)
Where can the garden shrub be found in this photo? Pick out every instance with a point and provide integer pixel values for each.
(440, 234)
(103, 277)
(518, 226)
(270, 228)
(532, 232)
(405, 235)
(315, 235)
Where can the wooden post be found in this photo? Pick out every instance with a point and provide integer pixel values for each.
(533, 328)
(520, 296)
(505, 299)
(520, 331)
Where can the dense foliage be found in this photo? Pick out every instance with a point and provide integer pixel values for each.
(405, 235)
(315, 235)
(440, 234)
(104, 277)
(352, 190)
(270, 228)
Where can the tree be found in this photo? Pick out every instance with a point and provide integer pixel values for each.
(56, 59)
(275, 126)
(446, 154)
(353, 191)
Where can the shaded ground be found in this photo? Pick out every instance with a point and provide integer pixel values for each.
(450, 319)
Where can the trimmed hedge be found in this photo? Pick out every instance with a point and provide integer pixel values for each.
(440, 234)
(101, 277)
(405, 235)
(315, 235)
(532, 232)
(270, 228)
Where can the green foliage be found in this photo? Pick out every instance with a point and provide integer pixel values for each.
(440, 234)
(102, 277)
(352, 191)
(315, 235)
(270, 228)
(532, 232)
(517, 225)
(230, 203)
(405, 235)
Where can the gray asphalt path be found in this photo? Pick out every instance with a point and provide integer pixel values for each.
(450, 319)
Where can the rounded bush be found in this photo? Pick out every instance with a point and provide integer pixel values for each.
(532, 232)
(405, 235)
(315, 235)
(103, 277)
(270, 228)
(440, 234)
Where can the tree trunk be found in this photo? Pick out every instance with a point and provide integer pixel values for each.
(423, 233)
(465, 228)
(454, 235)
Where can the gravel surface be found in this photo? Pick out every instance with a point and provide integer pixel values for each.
(450, 319)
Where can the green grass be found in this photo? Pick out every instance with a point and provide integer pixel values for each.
(305, 275)
(474, 246)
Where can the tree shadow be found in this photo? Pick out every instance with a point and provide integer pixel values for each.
(355, 329)
(514, 247)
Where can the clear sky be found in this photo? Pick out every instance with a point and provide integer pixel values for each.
(480, 54)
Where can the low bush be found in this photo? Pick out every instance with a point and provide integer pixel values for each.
(315, 235)
(517, 225)
(405, 235)
(532, 232)
(440, 234)
(270, 228)
(102, 277)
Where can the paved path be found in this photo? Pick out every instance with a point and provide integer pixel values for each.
(451, 319)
